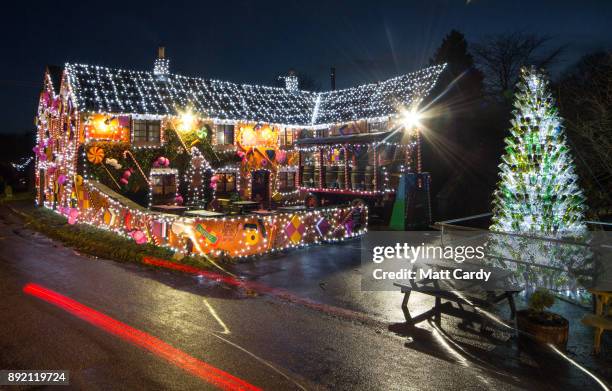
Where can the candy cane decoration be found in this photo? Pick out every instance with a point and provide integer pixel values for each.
(188, 150)
(111, 176)
(346, 218)
(125, 154)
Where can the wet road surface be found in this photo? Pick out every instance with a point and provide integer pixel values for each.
(268, 342)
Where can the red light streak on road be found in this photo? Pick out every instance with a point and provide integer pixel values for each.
(142, 339)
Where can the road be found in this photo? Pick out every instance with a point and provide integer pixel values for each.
(264, 340)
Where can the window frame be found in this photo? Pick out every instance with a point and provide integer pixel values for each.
(149, 128)
(224, 130)
(223, 180)
(288, 178)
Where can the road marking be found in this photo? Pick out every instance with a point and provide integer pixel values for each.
(212, 311)
(142, 339)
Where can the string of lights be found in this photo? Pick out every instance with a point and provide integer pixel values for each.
(105, 90)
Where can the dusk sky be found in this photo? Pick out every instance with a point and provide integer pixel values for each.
(253, 42)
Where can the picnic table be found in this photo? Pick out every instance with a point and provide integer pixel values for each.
(291, 208)
(172, 209)
(203, 213)
(243, 206)
(462, 298)
(263, 212)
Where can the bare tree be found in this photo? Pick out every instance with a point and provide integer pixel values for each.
(500, 57)
(585, 97)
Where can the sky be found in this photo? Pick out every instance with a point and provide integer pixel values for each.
(255, 41)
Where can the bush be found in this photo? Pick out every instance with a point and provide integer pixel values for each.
(541, 299)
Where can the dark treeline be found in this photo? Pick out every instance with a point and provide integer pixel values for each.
(470, 113)
(16, 148)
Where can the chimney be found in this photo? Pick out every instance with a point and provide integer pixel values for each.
(161, 67)
(291, 81)
(332, 77)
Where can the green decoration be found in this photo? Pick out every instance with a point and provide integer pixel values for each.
(398, 215)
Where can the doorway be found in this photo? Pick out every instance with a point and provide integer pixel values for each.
(260, 187)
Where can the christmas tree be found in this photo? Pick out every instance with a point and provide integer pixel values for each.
(538, 192)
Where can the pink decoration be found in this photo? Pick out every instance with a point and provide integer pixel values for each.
(73, 215)
(39, 150)
(281, 156)
(126, 174)
(51, 170)
(161, 162)
(123, 181)
(55, 103)
(124, 121)
(45, 98)
(61, 179)
(138, 236)
(179, 199)
(349, 227)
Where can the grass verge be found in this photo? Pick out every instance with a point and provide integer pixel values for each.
(94, 241)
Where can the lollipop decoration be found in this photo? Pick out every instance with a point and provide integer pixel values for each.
(96, 156)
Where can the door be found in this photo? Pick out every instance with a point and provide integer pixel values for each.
(260, 186)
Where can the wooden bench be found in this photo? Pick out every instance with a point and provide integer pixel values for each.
(601, 320)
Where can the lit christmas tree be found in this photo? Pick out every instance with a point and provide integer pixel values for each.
(538, 192)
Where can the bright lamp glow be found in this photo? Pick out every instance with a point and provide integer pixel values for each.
(410, 118)
(186, 121)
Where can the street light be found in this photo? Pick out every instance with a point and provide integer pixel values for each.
(186, 121)
(410, 119)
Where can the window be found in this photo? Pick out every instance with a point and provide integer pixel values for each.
(146, 132)
(286, 181)
(225, 134)
(287, 137)
(378, 126)
(226, 183)
(163, 188)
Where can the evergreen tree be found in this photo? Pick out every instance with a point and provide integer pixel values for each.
(460, 145)
(538, 192)
(460, 68)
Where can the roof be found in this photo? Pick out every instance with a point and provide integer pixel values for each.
(118, 91)
(55, 74)
(360, 138)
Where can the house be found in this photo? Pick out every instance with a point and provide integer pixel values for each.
(161, 139)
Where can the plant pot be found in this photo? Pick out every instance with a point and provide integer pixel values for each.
(545, 327)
